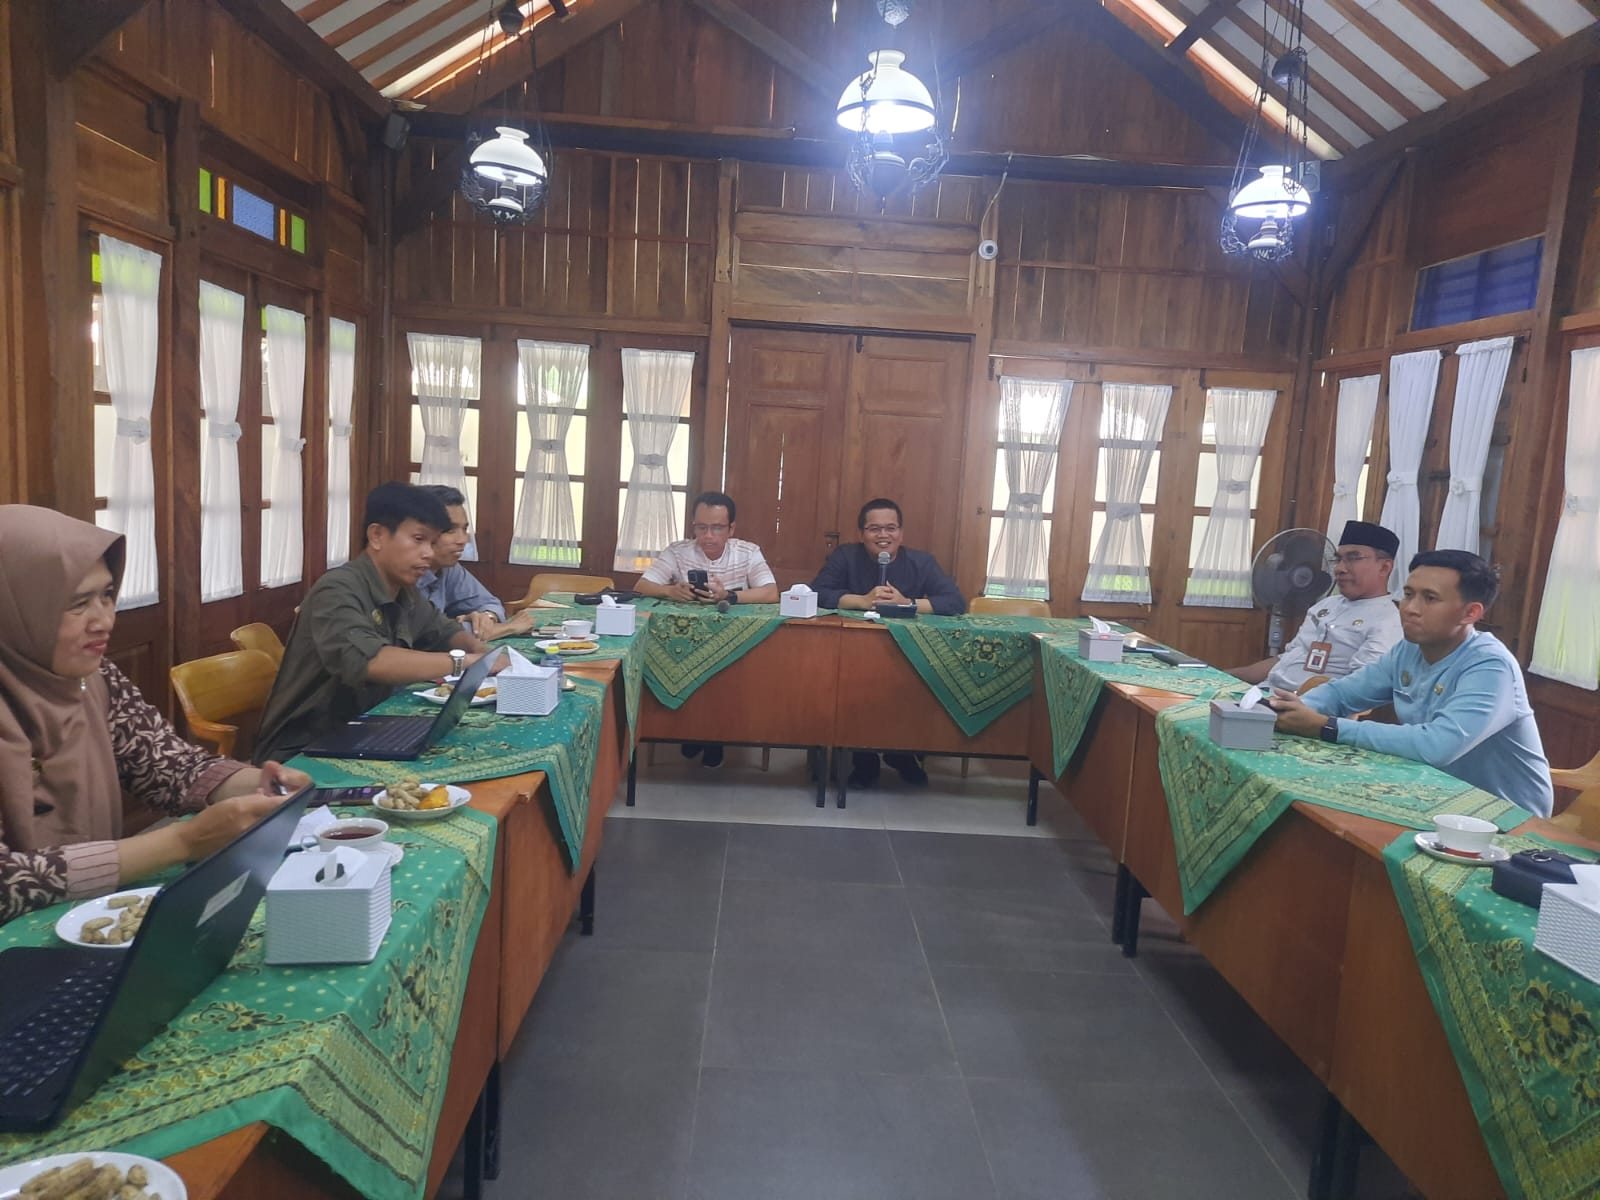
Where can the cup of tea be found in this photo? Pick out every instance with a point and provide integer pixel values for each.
(576, 630)
(356, 833)
(1465, 835)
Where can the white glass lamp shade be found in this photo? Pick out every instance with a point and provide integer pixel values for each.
(886, 99)
(507, 158)
(1271, 195)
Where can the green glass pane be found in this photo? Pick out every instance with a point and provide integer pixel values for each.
(297, 234)
(94, 267)
(205, 190)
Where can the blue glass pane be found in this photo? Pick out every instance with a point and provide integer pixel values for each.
(252, 212)
(1502, 280)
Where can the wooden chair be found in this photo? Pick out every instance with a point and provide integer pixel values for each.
(1582, 816)
(211, 690)
(553, 581)
(1008, 606)
(259, 636)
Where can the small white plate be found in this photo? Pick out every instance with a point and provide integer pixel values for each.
(458, 797)
(394, 850)
(1429, 844)
(163, 1179)
(552, 646)
(438, 695)
(548, 631)
(69, 928)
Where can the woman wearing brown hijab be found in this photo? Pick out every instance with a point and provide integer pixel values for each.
(74, 732)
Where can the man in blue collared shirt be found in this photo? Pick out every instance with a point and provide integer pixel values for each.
(1459, 693)
(453, 589)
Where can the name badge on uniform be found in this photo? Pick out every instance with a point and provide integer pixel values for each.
(1317, 657)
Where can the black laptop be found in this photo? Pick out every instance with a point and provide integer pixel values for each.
(69, 1017)
(397, 737)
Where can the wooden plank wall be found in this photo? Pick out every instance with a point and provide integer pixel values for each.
(1505, 176)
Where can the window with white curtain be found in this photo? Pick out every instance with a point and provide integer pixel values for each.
(552, 398)
(1566, 643)
(446, 374)
(341, 400)
(1229, 480)
(1352, 446)
(1412, 379)
(1132, 419)
(655, 461)
(130, 336)
(1032, 412)
(221, 521)
(282, 529)
(1480, 379)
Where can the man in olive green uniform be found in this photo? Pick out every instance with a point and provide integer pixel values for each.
(364, 629)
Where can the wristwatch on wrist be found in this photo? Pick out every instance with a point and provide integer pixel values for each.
(1330, 730)
(733, 595)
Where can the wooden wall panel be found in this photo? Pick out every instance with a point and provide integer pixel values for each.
(119, 156)
(13, 413)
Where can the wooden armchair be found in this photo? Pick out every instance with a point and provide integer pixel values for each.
(259, 636)
(554, 581)
(1007, 606)
(1582, 816)
(211, 690)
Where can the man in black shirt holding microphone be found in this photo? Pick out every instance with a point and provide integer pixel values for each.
(879, 570)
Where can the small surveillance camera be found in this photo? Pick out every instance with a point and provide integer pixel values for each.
(988, 248)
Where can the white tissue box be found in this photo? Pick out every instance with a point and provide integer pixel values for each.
(616, 621)
(1235, 728)
(534, 692)
(312, 922)
(1569, 928)
(1100, 647)
(796, 603)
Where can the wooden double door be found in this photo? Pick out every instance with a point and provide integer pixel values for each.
(821, 422)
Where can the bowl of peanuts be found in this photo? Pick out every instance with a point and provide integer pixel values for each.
(108, 923)
(97, 1175)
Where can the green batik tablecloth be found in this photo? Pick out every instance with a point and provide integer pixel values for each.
(977, 665)
(350, 1061)
(686, 644)
(1525, 1030)
(1221, 801)
(1072, 685)
(564, 745)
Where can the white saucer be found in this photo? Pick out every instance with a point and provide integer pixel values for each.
(431, 695)
(394, 850)
(1429, 844)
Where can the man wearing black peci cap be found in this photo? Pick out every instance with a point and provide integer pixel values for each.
(1345, 631)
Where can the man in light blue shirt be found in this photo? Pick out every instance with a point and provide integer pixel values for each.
(1459, 693)
(452, 589)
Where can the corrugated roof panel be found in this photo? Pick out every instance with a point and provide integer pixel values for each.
(421, 16)
(1566, 17)
(464, 32)
(1322, 64)
(1476, 18)
(1427, 43)
(348, 11)
(1323, 114)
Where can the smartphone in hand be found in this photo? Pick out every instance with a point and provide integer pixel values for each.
(699, 580)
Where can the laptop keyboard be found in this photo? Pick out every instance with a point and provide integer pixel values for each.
(393, 735)
(35, 1050)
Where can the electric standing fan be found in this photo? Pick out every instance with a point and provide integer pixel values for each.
(1290, 573)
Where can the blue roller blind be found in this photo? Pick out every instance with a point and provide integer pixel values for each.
(1502, 280)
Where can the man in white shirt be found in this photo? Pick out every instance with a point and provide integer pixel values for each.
(711, 567)
(1343, 632)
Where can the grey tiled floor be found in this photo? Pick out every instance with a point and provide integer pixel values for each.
(804, 1012)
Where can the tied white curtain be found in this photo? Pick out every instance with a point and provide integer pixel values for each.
(445, 374)
(1032, 412)
(1358, 401)
(282, 534)
(1132, 419)
(555, 379)
(130, 284)
(655, 395)
(341, 398)
(1566, 645)
(1221, 576)
(221, 524)
(1412, 378)
(1480, 378)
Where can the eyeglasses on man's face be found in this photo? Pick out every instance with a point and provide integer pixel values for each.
(1351, 558)
(698, 529)
(876, 530)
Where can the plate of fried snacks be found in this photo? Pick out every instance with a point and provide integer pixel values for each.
(438, 695)
(108, 923)
(98, 1175)
(568, 646)
(412, 800)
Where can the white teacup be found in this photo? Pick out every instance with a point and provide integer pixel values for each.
(355, 833)
(576, 629)
(1468, 835)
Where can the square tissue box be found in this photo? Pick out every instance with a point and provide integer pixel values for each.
(1235, 728)
(311, 919)
(1100, 647)
(1569, 922)
(527, 691)
(798, 601)
(614, 620)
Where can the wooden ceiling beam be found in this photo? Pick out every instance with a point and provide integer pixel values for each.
(78, 27)
(775, 46)
(1582, 49)
(506, 70)
(1525, 21)
(1201, 25)
(441, 22)
(1469, 47)
(272, 21)
(1329, 45)
(1353, 112)
(1002, 39)
(1397, 48)
(374, 17)
(316, 9)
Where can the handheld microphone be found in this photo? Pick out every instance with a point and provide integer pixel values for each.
(883, 567)
(722, 606)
